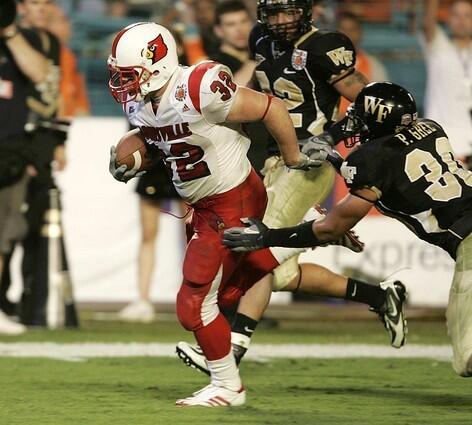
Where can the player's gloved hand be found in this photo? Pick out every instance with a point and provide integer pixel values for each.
(121, 173)
(318, 148)
(304, 163)
(7, 13)
(244, 239)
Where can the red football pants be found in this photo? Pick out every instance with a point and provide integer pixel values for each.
(215, 276)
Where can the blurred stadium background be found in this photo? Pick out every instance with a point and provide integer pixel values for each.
(75, 378)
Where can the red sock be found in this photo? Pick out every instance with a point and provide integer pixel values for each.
(215, 338)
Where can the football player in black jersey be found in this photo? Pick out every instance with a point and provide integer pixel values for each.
(309, 69)
(406, 168)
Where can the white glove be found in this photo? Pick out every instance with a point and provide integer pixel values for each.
(121, 173)
(317, 149)
(305, 163)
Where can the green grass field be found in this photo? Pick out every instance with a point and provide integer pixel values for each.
(142, 390)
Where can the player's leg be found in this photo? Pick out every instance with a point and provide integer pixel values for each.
(206, 265)
(290, 194)
(142, 310)
(208, 282)
(459, 310)
(7, 225)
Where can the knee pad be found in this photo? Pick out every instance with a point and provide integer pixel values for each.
(285, 273)
(197, 305)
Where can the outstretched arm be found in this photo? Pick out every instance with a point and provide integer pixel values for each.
(430, 12)
(345, 215)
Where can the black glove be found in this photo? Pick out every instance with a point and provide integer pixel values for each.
(244, 239)
(7, 13)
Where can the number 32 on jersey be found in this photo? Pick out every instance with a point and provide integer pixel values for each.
(286, 90)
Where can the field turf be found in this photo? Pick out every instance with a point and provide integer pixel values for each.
(142, 390)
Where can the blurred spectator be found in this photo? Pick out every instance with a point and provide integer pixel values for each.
(92, 7)
(47, 137)
(232, 26)
(155, 190)
(73, 92)
(198, 17)
(322, 14)
(369, 65)
(449, 71)
(20, 65)
(117, 9)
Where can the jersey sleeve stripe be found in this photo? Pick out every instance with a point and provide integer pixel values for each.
(195, 81)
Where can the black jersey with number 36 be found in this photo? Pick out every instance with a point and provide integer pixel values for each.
(419, 182)
(303, 75)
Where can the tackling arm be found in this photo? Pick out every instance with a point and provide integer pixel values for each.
(342, 218)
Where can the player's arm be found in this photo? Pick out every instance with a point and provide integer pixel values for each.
(351, 85)
(430, 12)
(250, 105)
(31, 63)
(344, 216)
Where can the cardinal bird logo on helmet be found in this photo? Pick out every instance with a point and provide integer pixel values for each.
(156, 50)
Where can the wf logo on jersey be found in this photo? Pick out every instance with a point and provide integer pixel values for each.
(341, 56)
(156, 50)
(348, 172)
(374, 106)
(168, 133)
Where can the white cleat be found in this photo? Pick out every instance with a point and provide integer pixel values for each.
(213, 396)
(138, 311)
(192, 355)
(9, 327)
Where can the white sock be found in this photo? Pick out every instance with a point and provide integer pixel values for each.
(225, 373)
(240, 339)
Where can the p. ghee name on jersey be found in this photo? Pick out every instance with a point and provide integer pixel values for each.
(205, 155)
(418, 181)
(303, 75)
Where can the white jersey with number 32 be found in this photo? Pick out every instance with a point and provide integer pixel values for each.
(206, 155)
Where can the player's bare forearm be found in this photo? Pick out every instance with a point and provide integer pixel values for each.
(250, 105)
(32, 63)
(430, 12)
(350, 86)
(280, 126)
(343, 217)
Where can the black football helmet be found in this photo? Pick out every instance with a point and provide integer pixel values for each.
(285, 33)
(381, 109)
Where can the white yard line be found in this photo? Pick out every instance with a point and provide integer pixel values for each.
(82, 351)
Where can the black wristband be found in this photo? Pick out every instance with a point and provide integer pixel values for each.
(300, 236)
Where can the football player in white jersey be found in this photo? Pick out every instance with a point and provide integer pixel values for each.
(192, 116)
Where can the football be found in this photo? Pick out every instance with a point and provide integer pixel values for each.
(132, 151)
